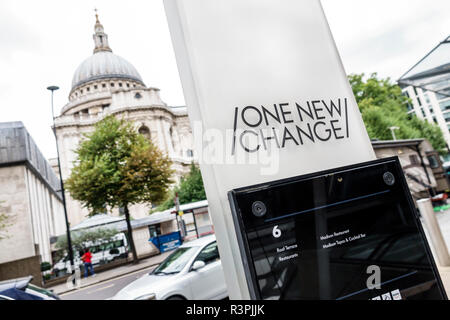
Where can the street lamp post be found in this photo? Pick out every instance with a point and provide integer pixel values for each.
(392, 132)
(69, 240)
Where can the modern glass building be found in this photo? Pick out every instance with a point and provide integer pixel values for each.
(427, 84)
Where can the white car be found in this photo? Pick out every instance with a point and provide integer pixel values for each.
(193, 271)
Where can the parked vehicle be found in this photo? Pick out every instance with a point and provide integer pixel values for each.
(22, 289)
(193, 271)
(101, 253)
(439, 200)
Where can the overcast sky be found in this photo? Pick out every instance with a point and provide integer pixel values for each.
(42, 43)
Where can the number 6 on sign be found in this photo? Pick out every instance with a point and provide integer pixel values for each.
(276, 232)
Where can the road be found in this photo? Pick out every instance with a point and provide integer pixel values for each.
(105, 290)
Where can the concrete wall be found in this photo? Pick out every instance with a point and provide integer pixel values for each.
(35, 214)
(22, 268)
(47, 214)
(19, 243)
(16, 145)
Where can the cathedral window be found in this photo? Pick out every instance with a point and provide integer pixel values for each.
(145, 131)
(103, 85)
(120, 84)
(95, 87)
(112, 84)
(88, 89)
(137, 95)
(190, 153)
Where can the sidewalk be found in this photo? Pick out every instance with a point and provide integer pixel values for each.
(113, 273)
(445, 277)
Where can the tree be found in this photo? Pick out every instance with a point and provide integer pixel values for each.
(190, 189)
(117, 167)
(383, 105)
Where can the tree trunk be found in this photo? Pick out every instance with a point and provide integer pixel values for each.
(130, 235)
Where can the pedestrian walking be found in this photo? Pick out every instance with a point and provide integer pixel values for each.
(87, 260)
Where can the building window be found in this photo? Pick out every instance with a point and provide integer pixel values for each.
(145, 132)
(112, 84)
(423, 113)
(95, 87)
(120, 84)
(447, 116)
(154, 230)
(103, 85)
(414, 159)
(434, 163)
(190, 153)
(138, 95)
(88, 89)
(128, 85)
(445, 105)
(418, 101)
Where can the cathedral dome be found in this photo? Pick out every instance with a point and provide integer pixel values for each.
(104, 65)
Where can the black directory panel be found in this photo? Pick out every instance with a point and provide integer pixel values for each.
(348, 233)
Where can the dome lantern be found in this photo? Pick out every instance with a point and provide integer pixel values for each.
(104, 64)
(100, 37)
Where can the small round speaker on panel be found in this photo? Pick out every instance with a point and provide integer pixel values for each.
(259, 209)
(389, 178)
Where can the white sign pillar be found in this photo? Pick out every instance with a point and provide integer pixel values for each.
(267, 98)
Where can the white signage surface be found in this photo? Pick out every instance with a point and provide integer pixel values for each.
(267, 97)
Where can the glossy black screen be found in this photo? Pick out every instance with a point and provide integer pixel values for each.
(322, 237)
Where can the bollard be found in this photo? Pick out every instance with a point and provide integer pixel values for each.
(439, 245)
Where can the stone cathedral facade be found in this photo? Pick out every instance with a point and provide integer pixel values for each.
(106, 84)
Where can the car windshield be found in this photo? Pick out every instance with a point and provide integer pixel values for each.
(176, 261)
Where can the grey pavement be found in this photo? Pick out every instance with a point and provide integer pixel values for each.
(143, 265)
(443, 219)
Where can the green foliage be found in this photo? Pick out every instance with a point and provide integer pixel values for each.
(116, 166)
(80, 239)
(382, 105)
(190, 189)
(45, 266)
